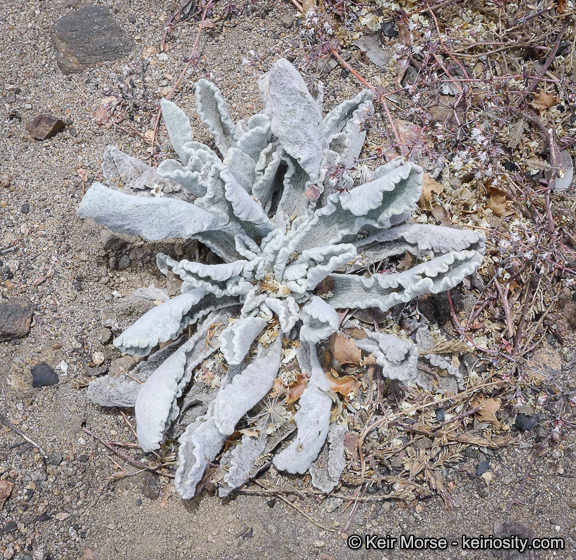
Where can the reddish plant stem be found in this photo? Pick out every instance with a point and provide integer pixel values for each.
(529, 468)
(504, 297)
(381, 98)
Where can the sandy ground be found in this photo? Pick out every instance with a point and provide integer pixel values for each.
(65, 508)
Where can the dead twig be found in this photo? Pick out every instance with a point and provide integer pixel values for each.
(126, 457)
(286, 501)
(504, 297)
(11, 426)
(515, 499)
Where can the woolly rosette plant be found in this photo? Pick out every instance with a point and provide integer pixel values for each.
(279, 207)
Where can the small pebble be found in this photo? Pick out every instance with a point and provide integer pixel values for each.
(54, 459)
(389, 29)
(25, 208)
(524, 422)
(482, 467)
(440, 414)
(43, 375)
(43, 127)
(123, 262)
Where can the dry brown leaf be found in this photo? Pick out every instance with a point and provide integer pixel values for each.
(406, 262)
(403, 34)
(498, 202)
(297, 388)
(544, 100)
(561, 6)
(342, 385)
(430, 186)
(488, 411)
(250, 433)
(344, 350)
(517, 133)
(5, 491)
(441, 214)
(278, 388)
(411, 135)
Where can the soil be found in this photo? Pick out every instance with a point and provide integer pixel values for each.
(66, 507)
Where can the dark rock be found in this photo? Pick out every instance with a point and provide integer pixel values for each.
(43, 375)
(123, 262)
(44, 126)
(112, 241)
(42, 517)
(88, 36)
(389, 29)
(483, 467)
(15, 319)
(138, 502)
(131, 18)
(150, 485)
(105, 336)
(6, 273)
(25, 208)
(524, 422)
(54, 459)
(83, 458)
(482, 489)
(10, 527)
(440, 414)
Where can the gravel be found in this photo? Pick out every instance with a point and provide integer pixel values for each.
(67, 507)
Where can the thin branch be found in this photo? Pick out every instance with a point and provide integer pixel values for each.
(8, 424)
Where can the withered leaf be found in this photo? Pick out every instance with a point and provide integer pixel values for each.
(250, 433)
(325, 287)
(344, 349)
(342, 385)
(441, 214)
(488, 411)
(517, 133)
(297, 388)
(278, 388)
(430, 186)
(498, 202)
(544, 100)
